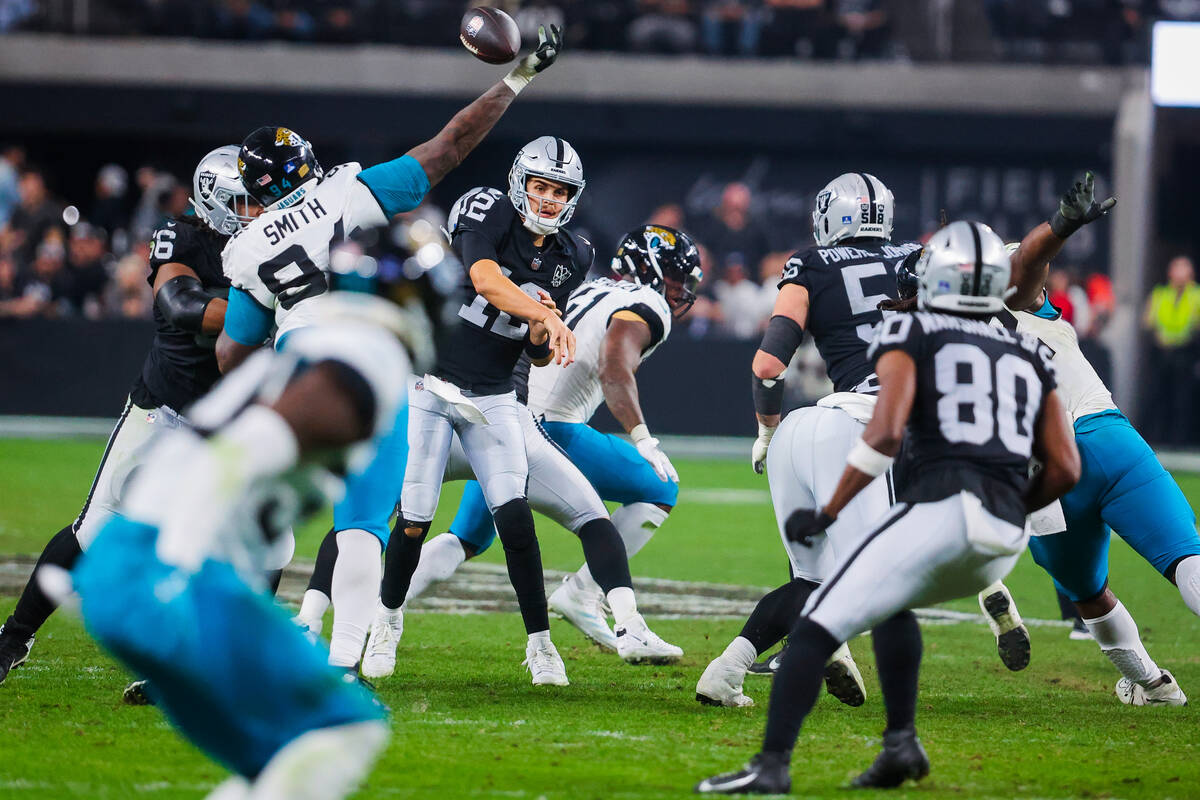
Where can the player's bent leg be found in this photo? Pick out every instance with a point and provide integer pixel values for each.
(1185, 573)
(1143, 682)
(317, 596)
(34, 607)
(1012, 637)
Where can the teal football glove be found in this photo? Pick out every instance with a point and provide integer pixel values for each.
(1078, 207)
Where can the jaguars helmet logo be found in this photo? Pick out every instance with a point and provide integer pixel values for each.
(241, 166)
(655, 236)
(288, 137)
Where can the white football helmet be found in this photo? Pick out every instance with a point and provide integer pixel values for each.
(854, 205)
(554, 159)
(964, 268)
(218, 195)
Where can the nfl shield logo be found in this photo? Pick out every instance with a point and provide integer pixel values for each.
(561, 273)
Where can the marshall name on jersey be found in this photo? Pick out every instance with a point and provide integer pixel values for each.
(483, 348)
(1080, 387)
(181, 365)
(980, 391)
(845, 285)
(281, 259)
(573, 394)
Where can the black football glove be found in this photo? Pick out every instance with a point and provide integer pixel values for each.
(548, 47)
(803, 524)
(1078, 207)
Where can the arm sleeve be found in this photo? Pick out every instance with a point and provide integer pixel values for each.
(398, 185)
(246, 320)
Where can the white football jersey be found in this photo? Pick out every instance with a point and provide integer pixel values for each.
(1079, 386)
(573, 393)
(282, 258)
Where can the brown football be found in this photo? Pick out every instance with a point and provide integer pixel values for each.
(490, 35)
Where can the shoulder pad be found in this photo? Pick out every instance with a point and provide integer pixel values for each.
(180, 242)
(482, 208)
(796, 264)
(584, 253)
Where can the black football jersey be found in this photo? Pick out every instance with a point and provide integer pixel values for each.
(979, 395)
(181, 366)
(845, 285)
(483, 348)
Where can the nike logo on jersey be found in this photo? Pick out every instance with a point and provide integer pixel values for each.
(290, 222)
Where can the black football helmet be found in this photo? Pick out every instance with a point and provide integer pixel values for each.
(907, 281)
(274, 162)
(655, 254)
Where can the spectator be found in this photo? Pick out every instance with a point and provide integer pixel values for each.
(865, 22)
(11, 161)
(34, 217)
(82, 285)
(731, 27)
(669, 214)
(129, 294)
(1173, 315)
(110, 210)
(154, 186)
(663, 26)
(799, 27)
(1058, 291)
(740, 299)
(731, 234)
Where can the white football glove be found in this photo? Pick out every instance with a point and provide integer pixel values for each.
(647, 447)
(548, 47)
(758, 453)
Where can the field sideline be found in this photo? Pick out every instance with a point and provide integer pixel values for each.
(467, 723)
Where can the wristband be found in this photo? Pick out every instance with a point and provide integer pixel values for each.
(639, 432)
(868, 460)
(768, 395)
(1062, 227)
(517, 80)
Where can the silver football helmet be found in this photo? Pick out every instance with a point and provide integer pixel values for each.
(964, 268)
(853, 205)
(554, 159)
(218, 195)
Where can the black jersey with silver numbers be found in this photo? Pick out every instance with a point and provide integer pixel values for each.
(979, 395)
(480, 353)
(845, 285)
(181, 365)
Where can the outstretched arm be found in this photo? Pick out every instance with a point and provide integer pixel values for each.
(1031, 262)
(467, 128)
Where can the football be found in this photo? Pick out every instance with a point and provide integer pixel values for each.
(490, 35)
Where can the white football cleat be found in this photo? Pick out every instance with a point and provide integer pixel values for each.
(637, 644)
(1167, 693)
(545, 665)
(386, 630)
(584, 610)
(843, 680)
(721, 685)
(1012, 637)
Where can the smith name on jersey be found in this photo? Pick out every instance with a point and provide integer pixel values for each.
(181, 365)
(281, 259)
(483, 348)
(846, 283)
(979, 395)
(573, 394)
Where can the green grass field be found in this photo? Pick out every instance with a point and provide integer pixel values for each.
(467, 723)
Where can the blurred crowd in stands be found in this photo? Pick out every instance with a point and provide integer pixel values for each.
(93, 262)
(1056, 31)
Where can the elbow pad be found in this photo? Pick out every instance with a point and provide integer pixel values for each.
(182, 301)
(782, 338)
(768, 395)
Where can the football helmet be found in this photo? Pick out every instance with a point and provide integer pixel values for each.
(965, 269)
(853, 205)
(653, 254)
(218, 196)
(554, 159)
(274, 163)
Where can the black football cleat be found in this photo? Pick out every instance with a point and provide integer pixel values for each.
(768, 666)
(1012, 637)
(137, 694)
(902, 758)
(14, 650)
(767, 773)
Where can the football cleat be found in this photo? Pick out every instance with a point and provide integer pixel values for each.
(386, 630)
(843, 680)
(14, 650)
(135, 694)
(1166, 693)
(545, 665)
(767, 773)
(769, 665)
(1012, 637)
(584, 610)
(721, 685)
(637, 644)
(902, 758)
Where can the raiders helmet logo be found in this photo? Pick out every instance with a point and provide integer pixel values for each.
(206, 183)
(561, 274)
(823, 201)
